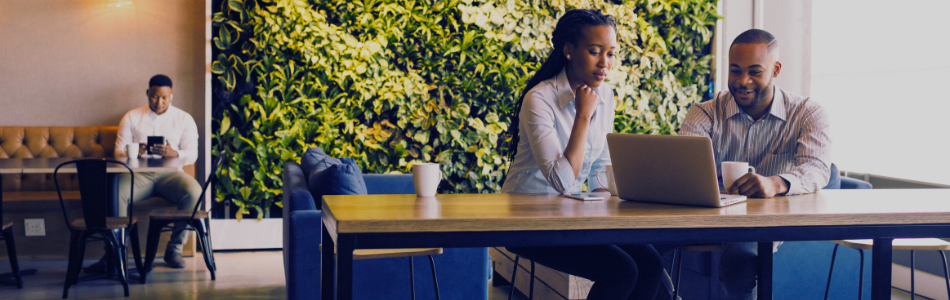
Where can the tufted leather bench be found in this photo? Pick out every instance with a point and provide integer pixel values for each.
(36, 142)
(34, 195)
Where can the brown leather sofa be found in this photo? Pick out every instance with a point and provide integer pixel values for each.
(34, 142)
(34, 195)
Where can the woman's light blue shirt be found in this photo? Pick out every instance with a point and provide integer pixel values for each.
(547, 117)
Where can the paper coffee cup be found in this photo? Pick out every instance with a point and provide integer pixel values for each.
(132, 149)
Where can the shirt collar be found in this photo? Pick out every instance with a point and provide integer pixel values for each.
(562, 88)
(778, 103)
(777, 109)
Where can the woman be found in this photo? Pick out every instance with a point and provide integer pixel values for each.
(564, 117)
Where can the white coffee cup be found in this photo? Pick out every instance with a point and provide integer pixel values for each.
(611, 184)
(426, 178)
(732, 170)
(132, 149)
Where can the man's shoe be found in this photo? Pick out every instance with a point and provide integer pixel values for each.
(173, 260)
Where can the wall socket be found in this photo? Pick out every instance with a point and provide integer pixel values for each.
(35, 227)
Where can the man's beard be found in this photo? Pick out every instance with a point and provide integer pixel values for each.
(760, 95)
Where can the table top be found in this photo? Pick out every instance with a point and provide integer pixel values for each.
(48, 165)
(531, 212)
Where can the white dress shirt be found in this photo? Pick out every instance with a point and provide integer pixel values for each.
(547, 118)
(176, 125)
(790, 141)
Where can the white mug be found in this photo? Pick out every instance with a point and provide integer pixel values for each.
(426, 178)
(132, 149)
(611, 184)
(732, 170)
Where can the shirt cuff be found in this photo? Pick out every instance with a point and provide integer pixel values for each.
(794, 184)
(563, 174)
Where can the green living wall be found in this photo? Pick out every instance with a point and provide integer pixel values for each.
(392, 82)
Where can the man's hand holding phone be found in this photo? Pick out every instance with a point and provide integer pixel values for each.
(164, 150)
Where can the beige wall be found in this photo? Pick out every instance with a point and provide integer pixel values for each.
(84, 62)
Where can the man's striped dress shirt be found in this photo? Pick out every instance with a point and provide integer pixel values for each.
(790, 141)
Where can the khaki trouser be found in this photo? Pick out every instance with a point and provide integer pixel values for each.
(176, 187)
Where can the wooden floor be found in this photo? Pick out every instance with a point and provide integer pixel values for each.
(241, 275)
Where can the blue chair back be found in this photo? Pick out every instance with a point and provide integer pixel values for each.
(389, 184)
(837, 182)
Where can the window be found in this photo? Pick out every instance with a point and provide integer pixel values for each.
(882, 70)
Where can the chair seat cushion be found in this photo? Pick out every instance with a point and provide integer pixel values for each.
(111, 223)
(172, 213)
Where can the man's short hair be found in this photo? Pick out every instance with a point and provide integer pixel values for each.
(160, 80)
(757, 36)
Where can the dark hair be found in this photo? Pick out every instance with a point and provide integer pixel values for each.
(570, 28)
(160, 80)
(756, 36)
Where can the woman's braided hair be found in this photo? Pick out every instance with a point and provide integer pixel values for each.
(569, 29)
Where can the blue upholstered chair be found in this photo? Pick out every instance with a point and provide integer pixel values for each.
(462, 272)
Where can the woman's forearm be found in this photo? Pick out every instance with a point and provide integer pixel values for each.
(575, 145)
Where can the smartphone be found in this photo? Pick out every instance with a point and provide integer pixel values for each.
(584, 196)
(154, 140)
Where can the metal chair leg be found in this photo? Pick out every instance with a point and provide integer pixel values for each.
(205, 244)
(435, 280)
(412, 280)
(531, 283)
(834, 254)
(913, 292)
(136, 251)
(513, 274)
(946, 275)
(119, 256)
(11, 253)
(678, 261)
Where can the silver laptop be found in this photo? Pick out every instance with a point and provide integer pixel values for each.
(666, 169)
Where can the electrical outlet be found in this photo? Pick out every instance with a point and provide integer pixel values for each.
(35, 227)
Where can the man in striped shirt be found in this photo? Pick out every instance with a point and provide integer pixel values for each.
(783, 135)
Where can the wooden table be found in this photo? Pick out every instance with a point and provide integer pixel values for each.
(484, 220)
(48, 165)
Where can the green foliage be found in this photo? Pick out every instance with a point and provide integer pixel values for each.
(392, 82)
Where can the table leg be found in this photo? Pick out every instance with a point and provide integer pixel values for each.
(881, 257)
(344, 266)
(764, 287)
(327, 267)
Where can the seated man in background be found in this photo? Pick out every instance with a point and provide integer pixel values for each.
(783, 135)
(180, 133)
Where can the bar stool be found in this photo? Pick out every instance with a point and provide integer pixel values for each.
(361, 254)
(898, 244)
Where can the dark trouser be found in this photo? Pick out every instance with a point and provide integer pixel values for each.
(618, 271)
(738, 269)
